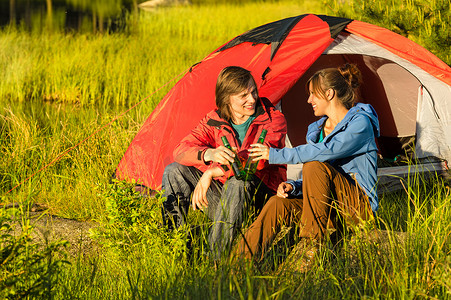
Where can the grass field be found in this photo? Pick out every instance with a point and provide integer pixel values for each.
(57, 89)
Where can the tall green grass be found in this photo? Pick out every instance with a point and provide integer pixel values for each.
(34, 135)
(411, 259)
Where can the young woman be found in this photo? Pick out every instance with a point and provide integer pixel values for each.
(339, 172)
(201, 177)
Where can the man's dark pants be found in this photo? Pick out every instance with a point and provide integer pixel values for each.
(226, 203)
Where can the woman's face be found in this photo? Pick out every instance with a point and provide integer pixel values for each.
(243, 104)
(319, 104)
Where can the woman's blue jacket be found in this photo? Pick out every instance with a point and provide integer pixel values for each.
(350, 148)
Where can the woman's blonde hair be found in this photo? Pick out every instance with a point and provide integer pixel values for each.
(344, 80)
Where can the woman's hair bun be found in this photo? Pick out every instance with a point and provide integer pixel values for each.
(351, 74)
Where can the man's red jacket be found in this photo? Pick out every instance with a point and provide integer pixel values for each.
(212, 127)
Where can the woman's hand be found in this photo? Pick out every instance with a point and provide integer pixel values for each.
(284, 189)
(259, 151)
(221, 155)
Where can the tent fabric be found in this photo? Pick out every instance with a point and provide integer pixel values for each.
(433, 96)
(336, 25)
(402, 47)
(276, 32)
(281, 55)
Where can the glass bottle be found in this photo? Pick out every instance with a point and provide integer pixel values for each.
(251, 166)
(237, 167)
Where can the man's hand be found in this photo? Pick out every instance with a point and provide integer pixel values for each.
(221, 155)
(199, 198)
(259, 151)
(284, 189)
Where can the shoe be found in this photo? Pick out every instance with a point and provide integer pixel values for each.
(301, 258)
(172, 216)
(307, 260)
(144, 191)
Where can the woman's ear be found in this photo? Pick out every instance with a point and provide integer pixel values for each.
(330, 93)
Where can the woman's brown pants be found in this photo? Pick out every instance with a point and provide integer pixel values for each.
(328, 197)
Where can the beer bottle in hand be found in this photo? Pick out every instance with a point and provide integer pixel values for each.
(237, 167)
(251, 166)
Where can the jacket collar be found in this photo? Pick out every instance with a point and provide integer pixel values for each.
(359, 108)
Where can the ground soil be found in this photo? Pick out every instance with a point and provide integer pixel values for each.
(48, 228)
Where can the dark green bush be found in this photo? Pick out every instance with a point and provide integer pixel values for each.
(27, 269)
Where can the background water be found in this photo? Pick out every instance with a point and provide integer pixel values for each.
(66, 15)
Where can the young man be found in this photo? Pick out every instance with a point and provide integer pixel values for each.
(202, 162)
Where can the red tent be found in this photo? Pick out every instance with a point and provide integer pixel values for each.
(408, 86)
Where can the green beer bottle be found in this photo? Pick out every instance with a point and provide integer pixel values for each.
(251, 166)
(237, 167)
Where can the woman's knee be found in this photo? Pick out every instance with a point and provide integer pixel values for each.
(315, 168)
(276, 206)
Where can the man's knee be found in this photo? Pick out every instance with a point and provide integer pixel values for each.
(235, 188)
(174, 168)
(233, 182)
(176, 172)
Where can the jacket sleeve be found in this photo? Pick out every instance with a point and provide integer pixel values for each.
(190, 151)
(352, 139)
(297, 188)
